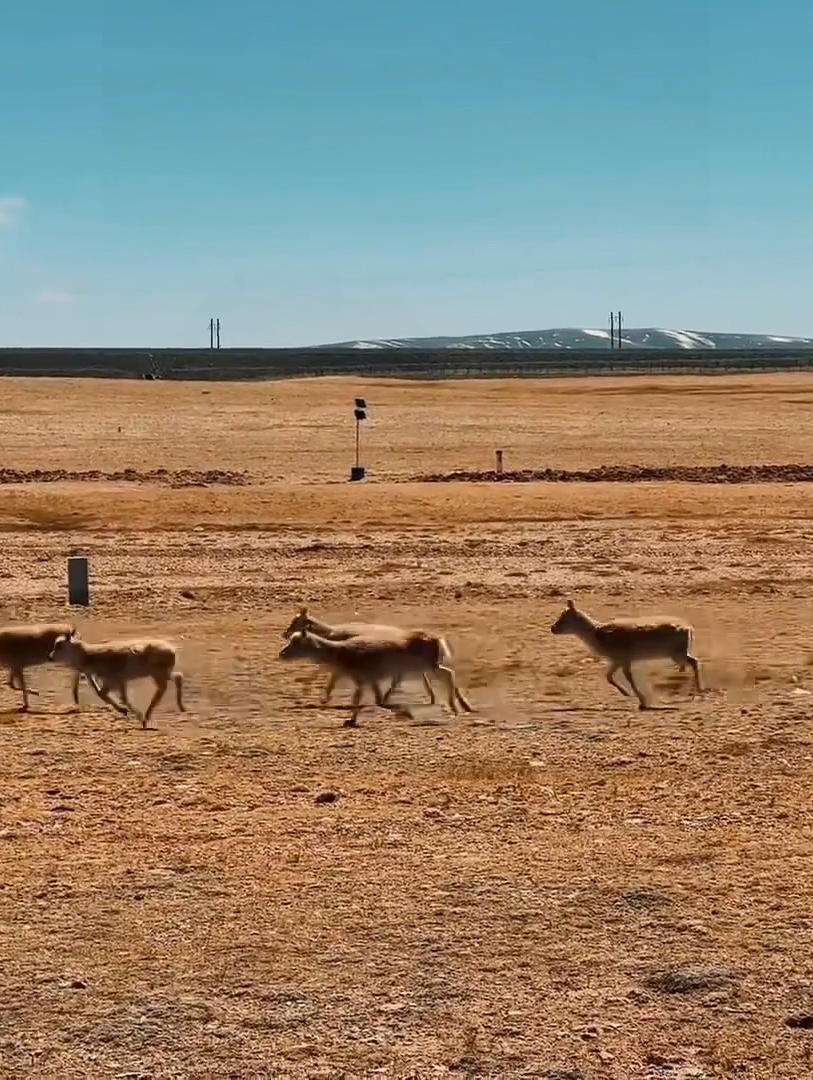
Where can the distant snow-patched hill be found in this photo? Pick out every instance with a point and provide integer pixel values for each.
(576, 338)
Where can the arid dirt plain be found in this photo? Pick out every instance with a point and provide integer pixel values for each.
(555, 886)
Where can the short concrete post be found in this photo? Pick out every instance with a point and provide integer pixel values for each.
(78, 582)
(499, 462)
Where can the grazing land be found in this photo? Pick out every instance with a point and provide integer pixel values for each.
(555, 886)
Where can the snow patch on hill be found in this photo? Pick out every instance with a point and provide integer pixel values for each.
(588, 338)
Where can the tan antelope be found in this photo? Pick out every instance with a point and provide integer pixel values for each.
(30, 645)
(341, 632)
(368, 660)
(623, 641)
(117, 663)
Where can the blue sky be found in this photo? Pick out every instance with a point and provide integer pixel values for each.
(333, 169)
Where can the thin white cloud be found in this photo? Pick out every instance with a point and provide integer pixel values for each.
(11, 206)
(54, 297)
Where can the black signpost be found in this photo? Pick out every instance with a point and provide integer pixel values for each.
(360, 413)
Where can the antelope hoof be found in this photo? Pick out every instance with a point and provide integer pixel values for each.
(350, 722)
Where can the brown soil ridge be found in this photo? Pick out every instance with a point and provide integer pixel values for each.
(171, 477)
(693, 474)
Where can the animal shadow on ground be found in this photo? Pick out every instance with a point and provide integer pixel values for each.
(597, 710)
(317, 706)
(8, 715)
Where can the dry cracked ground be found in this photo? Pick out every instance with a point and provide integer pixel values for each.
(555, 886)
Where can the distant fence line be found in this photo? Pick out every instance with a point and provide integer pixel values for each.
(247, 364)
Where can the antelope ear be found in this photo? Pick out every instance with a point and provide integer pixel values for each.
(571, 605)
(303, 611)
